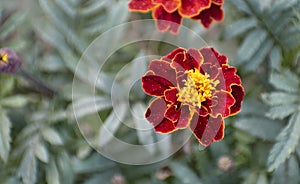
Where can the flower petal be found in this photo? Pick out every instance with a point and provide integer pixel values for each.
(172, 54)
(155, 115)
(207, 16)
(205, 108)
(171, 95)
(187, 60)
(173, 113)
(212, 57)
(190, 8)
(155, 85)
(163, 69)
(218, 2)
(222, 102)
(169, 5)
(238, 94)
(207, 129)
(167, 21)
(185, 117)
(141, 5)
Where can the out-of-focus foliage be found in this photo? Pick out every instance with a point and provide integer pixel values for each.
(40, 141)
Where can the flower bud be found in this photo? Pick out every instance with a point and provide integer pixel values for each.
(9, 61)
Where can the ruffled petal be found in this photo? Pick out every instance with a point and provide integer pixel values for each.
(238, 94)
(163, 69)
(213, 71)
(184, 61)
(167, 21)
(205, 108)
(207, 16)
(171, 95)
(171, 55)
(184, 118)
(222, 102)
(212, 57)
(155, 115)
(155, 85)
(173, 113)
(207, 129)
(141, 5)
(169, 5)
(218, 2)
(190, 8)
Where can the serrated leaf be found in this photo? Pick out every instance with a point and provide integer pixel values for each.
(279, 98)
(14, 101)
(41, 152)
(260, 55)
(242, 6)
(184, 173)
(287, 141)
(90, 105)
(285, 81)
(111, 124)
(293, 170)
(5, 139)
(52, 136)
(65, 168)
(283, 111)
(52, 174)
(250, 45)
(275, 58)
(259, 127)
(239, 27)
(28, 168)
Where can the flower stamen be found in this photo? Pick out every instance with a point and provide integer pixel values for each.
(197, 88)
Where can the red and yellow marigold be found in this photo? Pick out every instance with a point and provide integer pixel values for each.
(195, 89)
(169, 13)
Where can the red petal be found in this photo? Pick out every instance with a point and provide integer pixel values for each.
(212, 57)
(207, 16)
(181, 80)
(187, 60)
(218, 2)
(185, 117)
(172, 54)
(171, 95)
(190, 8)
(205, 108)
(238, 94)
(207, 129)
(155, 85)
(141, 5)
(213, 71)
(222, 102)
(163, 69)
(169, 5)
(155, 115)
(172, 113)
(167, 21)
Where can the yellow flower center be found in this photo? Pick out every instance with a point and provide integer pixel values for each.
(197, 88)
(3, 57)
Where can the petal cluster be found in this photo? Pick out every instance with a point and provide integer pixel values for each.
(169, 13)
(195, 89)
(9, 61)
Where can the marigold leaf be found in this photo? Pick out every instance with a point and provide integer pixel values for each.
(239, 27)
(41, 152)
(14, 101)
(52, 174)
(5, 139)
(281, 112)
(28, 168)
(52, 136)
(279, 98)
(184, 173)
(285, 81)
(287, 141)
(275, 58)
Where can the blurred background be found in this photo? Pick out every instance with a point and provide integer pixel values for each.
(61, 139)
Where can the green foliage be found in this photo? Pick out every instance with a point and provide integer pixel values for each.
(40, 140)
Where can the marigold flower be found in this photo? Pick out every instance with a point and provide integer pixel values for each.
(169, 13)
(195, 89)
(9, 61)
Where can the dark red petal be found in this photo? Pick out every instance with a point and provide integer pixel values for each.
(181, 78)
(171, 95)
(167, 21)
(172, 54)
(169, 5)
(187, 60)
(207, 129)
(173, 113)
(222, 102)
(208, 15)
(238, 94)
(155, 85)
(218, 2)
(185, 117)
(213, 71)
(205, 108)
(212, 57)
(163, 69)
(190, 8)
(141, 5)
(155, 115)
